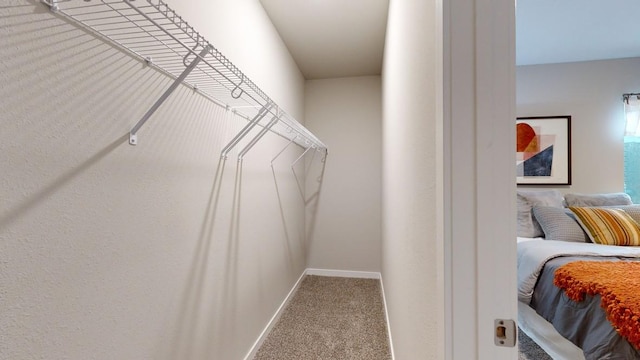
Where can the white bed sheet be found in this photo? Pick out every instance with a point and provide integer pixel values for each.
(542, 332)
(523, 239)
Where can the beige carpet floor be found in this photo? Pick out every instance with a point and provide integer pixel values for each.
(330, 318)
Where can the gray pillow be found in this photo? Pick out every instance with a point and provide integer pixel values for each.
(560, 224)
(597, 199)
(633, 210)
(527, 199)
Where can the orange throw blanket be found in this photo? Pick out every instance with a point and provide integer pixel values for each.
(618, 284)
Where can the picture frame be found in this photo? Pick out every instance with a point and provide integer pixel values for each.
(543, 150)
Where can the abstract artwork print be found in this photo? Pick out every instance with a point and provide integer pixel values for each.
(543, 150)
(534, 151)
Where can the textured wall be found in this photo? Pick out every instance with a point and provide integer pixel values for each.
(346, 113)
(591, 92)
(158, 251)
(410, 171)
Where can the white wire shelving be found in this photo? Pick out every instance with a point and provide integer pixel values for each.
(151, 31)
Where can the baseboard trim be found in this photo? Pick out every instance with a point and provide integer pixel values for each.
(274, 319)
(386, 318)
(319, 272)
(343, 273)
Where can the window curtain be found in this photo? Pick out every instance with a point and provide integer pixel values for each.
(632, 115)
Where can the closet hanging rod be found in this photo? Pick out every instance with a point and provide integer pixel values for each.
(154, 33)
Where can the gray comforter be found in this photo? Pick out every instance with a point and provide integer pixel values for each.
(582, 323)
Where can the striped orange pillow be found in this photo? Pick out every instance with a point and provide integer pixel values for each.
(608, 226)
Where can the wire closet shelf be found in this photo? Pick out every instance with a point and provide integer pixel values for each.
(151, 31)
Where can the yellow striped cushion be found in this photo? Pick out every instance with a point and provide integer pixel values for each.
(607, 226)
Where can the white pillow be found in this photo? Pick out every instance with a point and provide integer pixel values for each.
(527, 199)
(597, 199)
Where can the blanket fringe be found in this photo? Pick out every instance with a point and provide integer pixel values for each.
(617, 283)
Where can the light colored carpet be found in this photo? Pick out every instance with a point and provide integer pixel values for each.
(330, 318)
(529, 350)
(343, 318)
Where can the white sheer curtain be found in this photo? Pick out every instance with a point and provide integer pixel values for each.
(632, 114)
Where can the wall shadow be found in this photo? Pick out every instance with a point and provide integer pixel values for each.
(309, 186)
(182, 344)
(283, 218)
(229, 296)
(43, 194)
(312, 201)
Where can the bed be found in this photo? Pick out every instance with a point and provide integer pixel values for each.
(565, 326)
(584, 323)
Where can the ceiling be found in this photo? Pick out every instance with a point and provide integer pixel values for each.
(554, 31)
(337, 38)
(332, 38)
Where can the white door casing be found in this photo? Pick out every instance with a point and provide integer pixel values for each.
(479, 216)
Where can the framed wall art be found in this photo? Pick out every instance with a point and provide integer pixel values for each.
(543, 150)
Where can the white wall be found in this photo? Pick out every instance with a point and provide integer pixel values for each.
(591, 92)
(346, 113)
(446, 163)
(410, 196)
(243, 32)
(109, 251)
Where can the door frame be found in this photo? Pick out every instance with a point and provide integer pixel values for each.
(478, 183)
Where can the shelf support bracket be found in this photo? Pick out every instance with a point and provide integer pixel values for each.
(257, 138)
(133, 138)
(245, 130)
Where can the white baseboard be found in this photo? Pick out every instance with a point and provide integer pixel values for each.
(386, 318)
(343, 273)
(274, 319)
(319, 272)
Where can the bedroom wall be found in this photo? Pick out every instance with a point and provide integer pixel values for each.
(346, 113)
(158, 251)
(591, 92)
(410, 185)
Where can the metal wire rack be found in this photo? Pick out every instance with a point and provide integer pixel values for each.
(153, 32)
